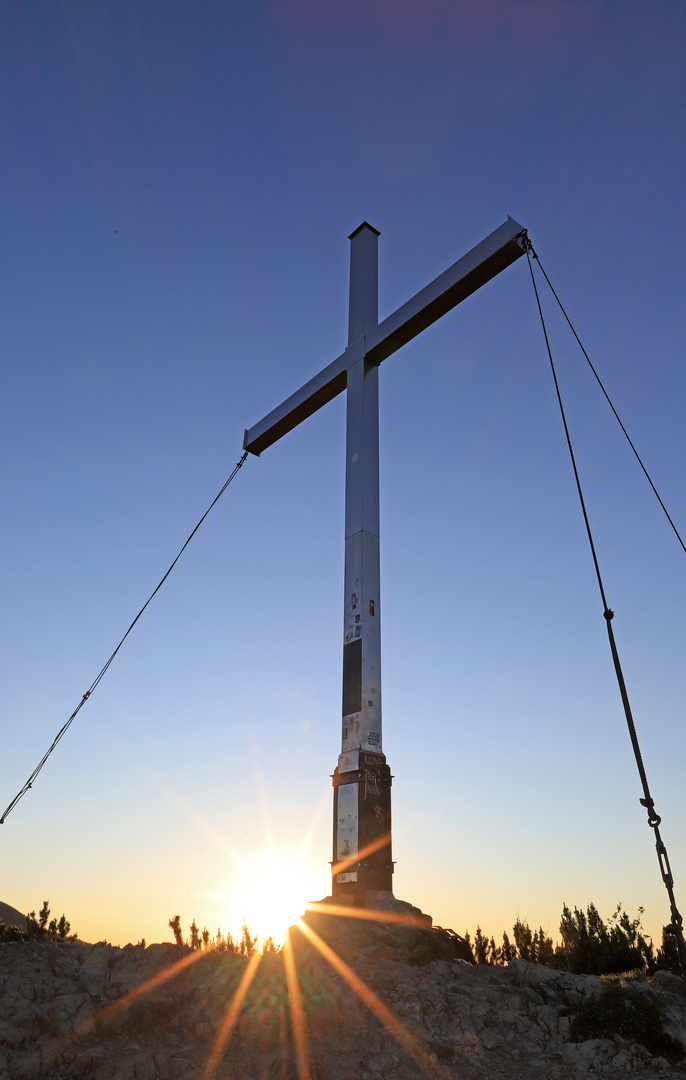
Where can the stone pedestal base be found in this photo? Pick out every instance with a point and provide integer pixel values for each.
(380, 900)
(392, 929)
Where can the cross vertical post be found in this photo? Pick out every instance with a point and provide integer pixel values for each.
(362, 779)
(362, 866)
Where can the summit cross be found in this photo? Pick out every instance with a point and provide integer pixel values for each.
(362, 866)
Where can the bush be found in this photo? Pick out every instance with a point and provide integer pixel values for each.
(39, 928)
(667, 954)
(225, 944)
(532, 945)
(592, 947)
(197, 940)
(175, 927)
(589, 946)
(11, 933)
(248, 944)
(629, 1012)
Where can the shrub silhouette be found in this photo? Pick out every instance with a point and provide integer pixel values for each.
(175, 927)
(667, 954)
(38, 928)
(589, 946)
(592, 947)
(195, 942)
(247, 945)
(626, 1011)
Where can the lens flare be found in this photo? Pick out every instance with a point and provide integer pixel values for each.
(297, 1015)
(392, 1023)
(230, 1020)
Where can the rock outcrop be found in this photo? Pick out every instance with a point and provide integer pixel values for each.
(97, 1011)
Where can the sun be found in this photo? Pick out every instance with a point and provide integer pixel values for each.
(268, 887)
(275, 895)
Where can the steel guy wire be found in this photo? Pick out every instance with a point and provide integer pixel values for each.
(65, 727)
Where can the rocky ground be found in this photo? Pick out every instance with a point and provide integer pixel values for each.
(107, 1013)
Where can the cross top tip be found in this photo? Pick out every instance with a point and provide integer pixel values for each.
(364, 225)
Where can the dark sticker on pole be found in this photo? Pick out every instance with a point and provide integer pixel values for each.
(352, 677)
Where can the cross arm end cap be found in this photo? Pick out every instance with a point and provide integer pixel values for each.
(245, 441)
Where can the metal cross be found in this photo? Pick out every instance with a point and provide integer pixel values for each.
(362, 865)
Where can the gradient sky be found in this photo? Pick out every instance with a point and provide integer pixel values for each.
(178, 183)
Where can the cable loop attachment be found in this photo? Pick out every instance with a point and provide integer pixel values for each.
(653, 817)
(522, 239)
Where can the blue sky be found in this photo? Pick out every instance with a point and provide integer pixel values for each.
(179, 182)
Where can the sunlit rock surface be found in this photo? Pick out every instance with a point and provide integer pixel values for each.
(64, 1014)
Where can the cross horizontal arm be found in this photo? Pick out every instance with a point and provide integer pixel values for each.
(330, 381)
(464, 277)
(450, 288)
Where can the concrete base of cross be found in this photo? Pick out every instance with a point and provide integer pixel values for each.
(384, 927)
(381, 900)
